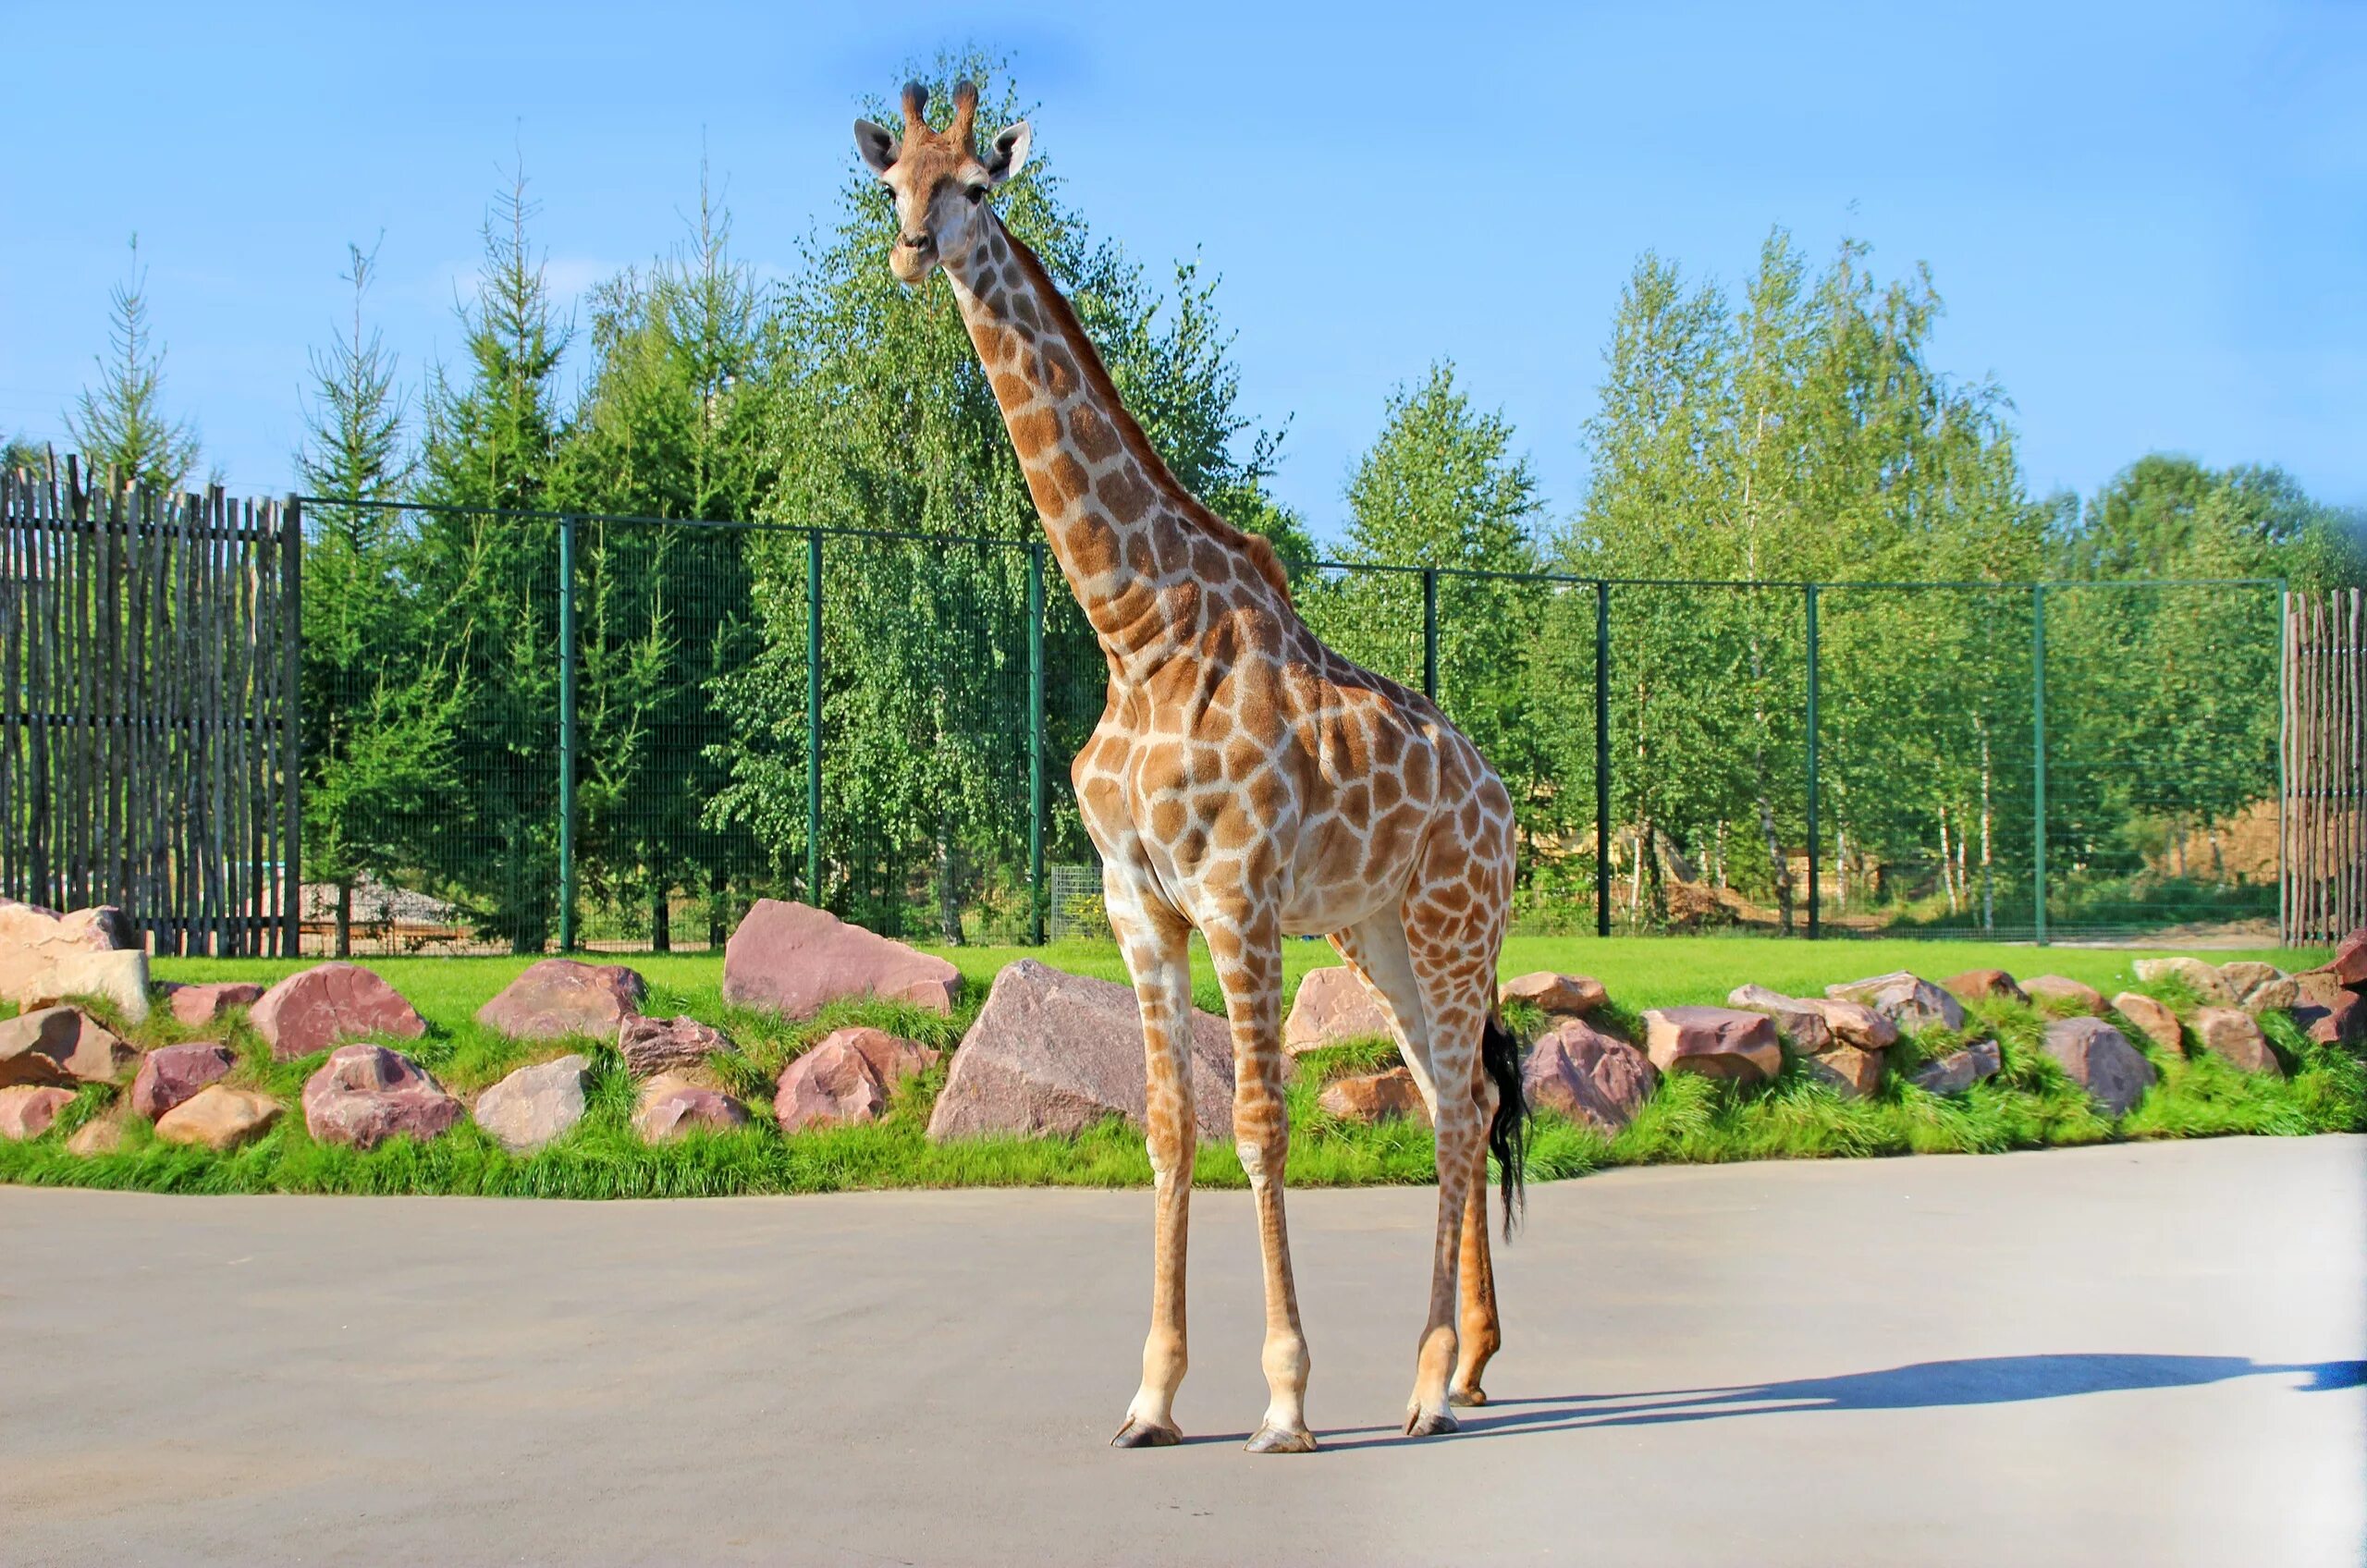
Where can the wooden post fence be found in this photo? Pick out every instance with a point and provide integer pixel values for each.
(148, 745)
(2325, 766)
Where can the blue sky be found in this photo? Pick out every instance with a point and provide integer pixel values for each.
(2148, 221)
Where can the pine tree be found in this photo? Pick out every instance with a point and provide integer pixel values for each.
(120, 423)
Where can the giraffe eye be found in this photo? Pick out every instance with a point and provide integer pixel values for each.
(977, 193)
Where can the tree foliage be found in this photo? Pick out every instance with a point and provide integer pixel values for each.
(120, 422)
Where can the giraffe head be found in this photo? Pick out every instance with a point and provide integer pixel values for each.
(939, 179)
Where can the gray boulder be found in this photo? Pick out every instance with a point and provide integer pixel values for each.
(1579, 1071)
(2100, 1060)
(1960, 1070)
(1909, 1002)
(535, 1104)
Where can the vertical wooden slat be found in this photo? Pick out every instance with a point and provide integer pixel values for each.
(37, 698)
(267, 734)
(292, 777)
(10, 529)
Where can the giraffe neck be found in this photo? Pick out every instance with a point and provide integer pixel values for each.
(1148, 563)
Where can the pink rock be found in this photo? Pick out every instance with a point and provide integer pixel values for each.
(651, 1046)
(202, 1004)
(315, 1008)
(2229, 1033)
(792, 958)
(2348, 965)
(1331, 1006)
(2154, 1020)
(365, 1094)
(94, 1138)
(27, 1109)
(1563, 996)
(560, 997)
(1375, 1096)
(1854, 1073)
(1056, 1053)
(1985, 985)
(535, 1104)
(170, 1074)
(829, 1085)
(1796, 1018)
(1908, 1001)
(2064, 993)
(1717, 1042)
(672, 1104)
(1960, 1070)
(2339, 1020)
(1584, 1074)
(894, 1060)
(2100, 1060)
(60, 1045)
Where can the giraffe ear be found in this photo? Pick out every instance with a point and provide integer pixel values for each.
(1009, 153)
(880, 149)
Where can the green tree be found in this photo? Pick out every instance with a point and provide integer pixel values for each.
(120, 423)
(380, 702)
(491, 584)
(876, 415)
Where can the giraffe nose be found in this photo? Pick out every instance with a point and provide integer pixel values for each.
(916, 242)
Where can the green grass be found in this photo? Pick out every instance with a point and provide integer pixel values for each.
(1690, 1119)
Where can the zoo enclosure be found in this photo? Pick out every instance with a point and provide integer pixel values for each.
(615, 732)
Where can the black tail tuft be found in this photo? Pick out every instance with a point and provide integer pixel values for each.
(1508, 1133)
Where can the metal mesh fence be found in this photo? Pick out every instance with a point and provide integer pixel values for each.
(616, 733)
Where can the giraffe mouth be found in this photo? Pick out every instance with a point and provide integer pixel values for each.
(911, 263)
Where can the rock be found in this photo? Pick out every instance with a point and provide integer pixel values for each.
(27, 1109)
(1717, 1042)
(203, 1004)
(46, 956)
(94, 1138)
(2100, 1061)
(314, 1008)
(1799, 1023)
(1813, 1024)
(791, 958)
(1056, 1053)
(557, 999)
(671, 1105)
(655, 1045)
(2198, 976)
(219, 1117)
(829, 1085)
(1561, 995)
(1908, 1002)
(2246, 975)
(1585, 1075)
(535, 1104)
(2340, 1022)
(60, 1045)
(1332, 1005)
(365, 1094)
(2229, 1033)
(1960, 1070)
(1374, 1096)
(170, 1074)
(1855, 1072)
(2064, 993)
(892, 1059)
(1985, 985)
(2348, 965)
(2154, 1020)
(2274, 996)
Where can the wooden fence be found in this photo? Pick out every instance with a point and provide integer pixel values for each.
(2325, 766)
(149, 749)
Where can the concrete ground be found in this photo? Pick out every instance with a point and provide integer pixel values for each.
(2137, 1354)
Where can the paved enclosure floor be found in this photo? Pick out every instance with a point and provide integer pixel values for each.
(2118, 1356)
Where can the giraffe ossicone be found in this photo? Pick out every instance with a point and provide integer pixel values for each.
(1244, 781)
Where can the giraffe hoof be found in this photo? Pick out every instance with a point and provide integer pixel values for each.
(1272, 1439)
(1145, 1434)
(1473, 1395)
(1426, 1423)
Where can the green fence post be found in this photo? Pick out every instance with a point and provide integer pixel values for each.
(2038, 761)
(1038, 895)
(1602, 759)
(1815, 900)
(814, 716)
(1430, 632)
(567, 737)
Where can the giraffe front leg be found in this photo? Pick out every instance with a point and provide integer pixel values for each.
(1249, 967)
(1155, 941)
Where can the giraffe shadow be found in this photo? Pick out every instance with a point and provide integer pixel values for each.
(1923, 1385)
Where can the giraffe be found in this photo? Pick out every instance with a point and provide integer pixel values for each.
(1244, 781)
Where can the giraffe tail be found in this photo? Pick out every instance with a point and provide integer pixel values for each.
(1508, 1133)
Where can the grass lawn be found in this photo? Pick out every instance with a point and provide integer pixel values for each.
(1690, 1118)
